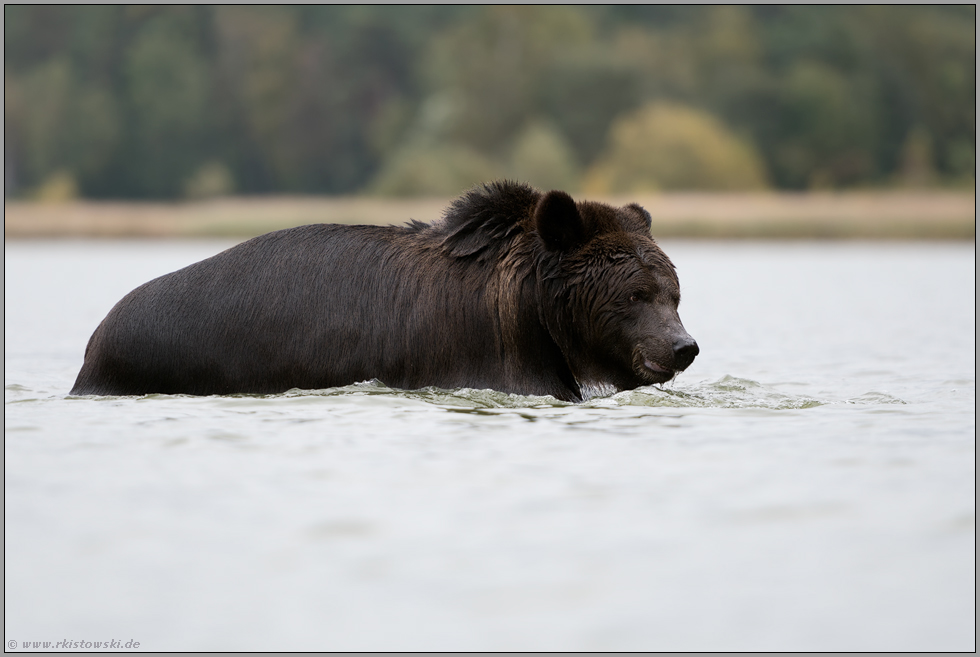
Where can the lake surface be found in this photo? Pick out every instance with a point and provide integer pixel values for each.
(808, 484)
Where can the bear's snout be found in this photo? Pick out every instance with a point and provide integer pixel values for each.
(685, 350)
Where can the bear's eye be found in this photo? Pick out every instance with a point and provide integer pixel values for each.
(637, 296)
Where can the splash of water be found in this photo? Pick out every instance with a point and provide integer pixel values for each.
(727, 392)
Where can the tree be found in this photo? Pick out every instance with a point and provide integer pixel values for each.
(670, 146)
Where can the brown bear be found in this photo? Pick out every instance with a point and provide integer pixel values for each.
(512, 289)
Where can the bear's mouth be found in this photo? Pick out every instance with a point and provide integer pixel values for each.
(657, 372)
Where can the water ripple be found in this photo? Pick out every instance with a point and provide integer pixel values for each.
(728, 392)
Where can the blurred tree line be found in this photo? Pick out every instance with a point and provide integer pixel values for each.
(172, 102)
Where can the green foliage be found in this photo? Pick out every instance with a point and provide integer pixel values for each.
(436, 170)
(166, 84)
(830, 131)
(58, 188)
(57, 124)
(165, 102)
(211, 180)
(583, 93)
(670, 146)
(542, 157)
(433, 164)
(493, 63)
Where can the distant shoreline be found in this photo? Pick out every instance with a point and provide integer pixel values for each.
(910, 215)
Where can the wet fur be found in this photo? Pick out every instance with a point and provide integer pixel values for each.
(510, 290)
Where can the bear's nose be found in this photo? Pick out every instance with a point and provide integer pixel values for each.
(685, 349)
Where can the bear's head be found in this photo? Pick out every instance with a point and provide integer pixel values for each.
(608, 294)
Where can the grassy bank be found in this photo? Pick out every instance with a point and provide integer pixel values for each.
(852, 215)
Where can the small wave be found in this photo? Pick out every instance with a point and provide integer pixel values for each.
(471, 398)
(726, 392)
(875, 398)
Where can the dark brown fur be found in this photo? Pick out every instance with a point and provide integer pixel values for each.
(514, 290)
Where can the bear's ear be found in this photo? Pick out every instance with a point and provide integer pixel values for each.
(645, 220)
(558, 222)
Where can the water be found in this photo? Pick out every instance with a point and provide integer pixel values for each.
(808, 484)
